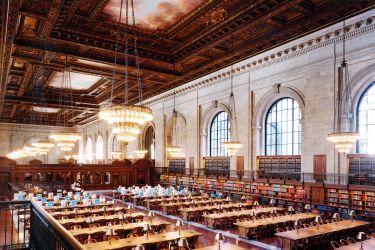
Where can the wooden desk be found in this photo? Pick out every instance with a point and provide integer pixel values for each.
(75, 221)
(56, 208)
(224, 246)
(211, 218)
(150, 203)
(367, 245)
(245, 226)
(168, 206)
(88, 211)
(126, 227)
(290, 237)
(142, 240)
(185, 212)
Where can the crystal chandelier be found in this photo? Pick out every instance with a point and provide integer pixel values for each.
(342, 138)
(232, 146)
(43, 144)
(126, 118)
(174, 149)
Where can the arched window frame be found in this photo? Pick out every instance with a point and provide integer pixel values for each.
(89, 150)
(275, 148)
(216, 149)
(99, 148)
(363, 95)
(149, 141)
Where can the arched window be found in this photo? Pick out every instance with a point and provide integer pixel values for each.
(366, 121)
(150, 142)
(283, 128)
(219, 133)
(99, 148)
(89, 155)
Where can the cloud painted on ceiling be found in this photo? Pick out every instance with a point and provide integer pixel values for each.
(154, 14)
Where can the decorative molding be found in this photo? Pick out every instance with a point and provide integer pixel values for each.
(353, 30)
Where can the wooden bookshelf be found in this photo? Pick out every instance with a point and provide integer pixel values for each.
(177, 164)
(217, 165)
(279, 166)
(337, 197)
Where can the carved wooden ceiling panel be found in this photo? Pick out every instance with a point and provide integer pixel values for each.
(179, 41)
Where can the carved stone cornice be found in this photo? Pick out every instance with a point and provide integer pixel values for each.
(353, 30)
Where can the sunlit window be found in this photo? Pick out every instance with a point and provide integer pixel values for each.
(219, 133)
(283, 128)
(150, 142)
(366, 121)
(89, 154)
(99, 148)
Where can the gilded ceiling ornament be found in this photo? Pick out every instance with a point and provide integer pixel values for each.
(215, 16)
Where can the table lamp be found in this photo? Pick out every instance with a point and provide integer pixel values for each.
(336, 217)
(291, 209)
(146, 228)
(130, 207)
(151, 214)
(318, 220)
(352, 214)
(361, 236)
(139, 247)
(122, 216)
(243, 197)
(75, 211)
(272, 202)
(89, 221)
(219, 237)
(256, 203)
(109, 232)
(183, 242)
(211, 200)
(179, 224)
(297, 223)
(228, 198)
(307, 208)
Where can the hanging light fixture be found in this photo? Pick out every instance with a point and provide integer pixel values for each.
(174, 149)
(343, 138)
(126, 118)
(232, 146)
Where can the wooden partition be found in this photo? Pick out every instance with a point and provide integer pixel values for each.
(89, 176)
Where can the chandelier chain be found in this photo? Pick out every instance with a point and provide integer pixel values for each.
(116, 54)
(126, 52)
(139, 80)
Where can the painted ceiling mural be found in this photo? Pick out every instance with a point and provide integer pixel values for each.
(154, 14)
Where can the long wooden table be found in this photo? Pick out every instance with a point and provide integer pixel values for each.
(168, 206)
(290, 237)
(75, 221)
(224, 246)
(211, 218)
(367, 245)
(143, 240)
(245, 226)
(149, 203)
(185, 212)
(126, 227)
(88, 211)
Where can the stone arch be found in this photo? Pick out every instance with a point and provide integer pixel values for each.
(207, 118)
(263, 106)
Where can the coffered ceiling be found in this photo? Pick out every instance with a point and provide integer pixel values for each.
(178, 41)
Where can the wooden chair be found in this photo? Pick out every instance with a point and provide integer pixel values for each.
(63, 218)
(335, 244)
(279, 230)
(289, 228)
(114, 237)
(351, 240)
(344, 242)
(132, 235)
(88, 241)
(75, 227)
